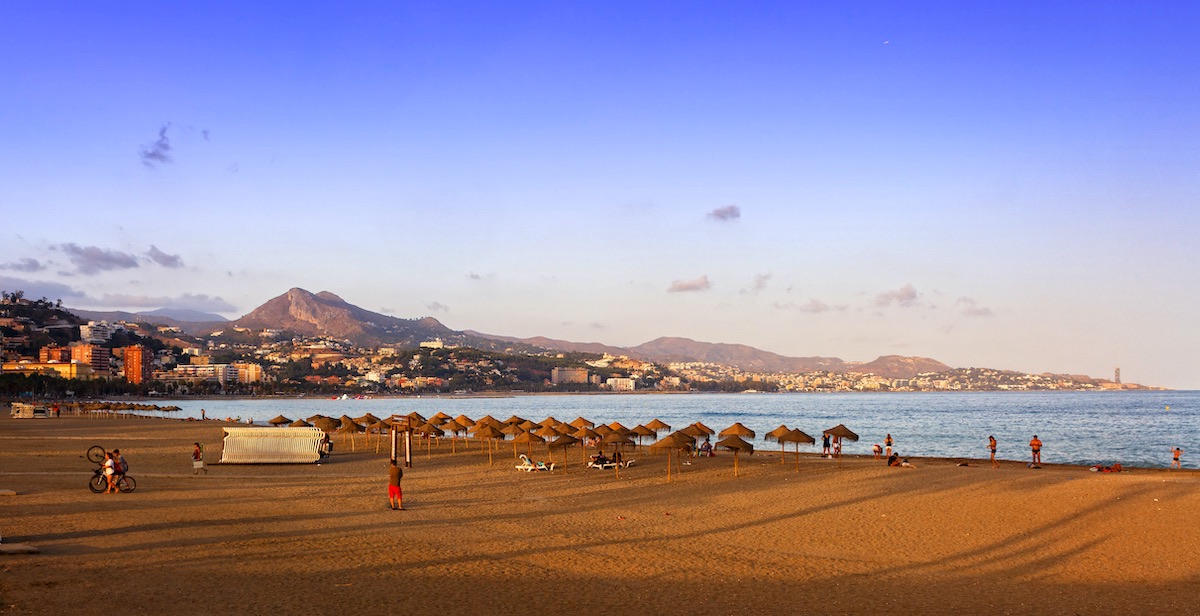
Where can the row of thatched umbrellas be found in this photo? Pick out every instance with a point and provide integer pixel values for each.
(557, 434)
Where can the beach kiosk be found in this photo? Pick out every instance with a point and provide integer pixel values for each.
(272, 445)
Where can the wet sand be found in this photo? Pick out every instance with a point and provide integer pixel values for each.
(849, 536)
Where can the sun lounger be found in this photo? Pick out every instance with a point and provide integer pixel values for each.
(609, 465)
(526, 465)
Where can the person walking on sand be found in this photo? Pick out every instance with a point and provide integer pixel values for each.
(395, 495)
(1035, 446)
(110, 473)
(198, 459)
(887, 444)
(992, 449)
(1175, 462)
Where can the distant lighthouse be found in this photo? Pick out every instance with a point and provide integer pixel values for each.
(1117, 375)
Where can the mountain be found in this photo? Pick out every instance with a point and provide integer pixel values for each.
(166, 316)
(665, 350)
(899, 367)
(185, 315)
(326, 314)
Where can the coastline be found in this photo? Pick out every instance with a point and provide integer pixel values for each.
(848, 536)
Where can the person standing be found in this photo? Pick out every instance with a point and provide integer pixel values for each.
(120, 464)
(198, 460)
(992, 449)
(887, 444)
(1035, 446)
(110, 473)
(1175, 462)
(395, 495)
(825, 444)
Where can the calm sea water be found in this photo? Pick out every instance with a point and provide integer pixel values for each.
(1133, 428)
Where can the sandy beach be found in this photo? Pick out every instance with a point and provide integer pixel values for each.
(835, 537)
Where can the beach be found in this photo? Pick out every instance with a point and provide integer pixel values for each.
(848, 536)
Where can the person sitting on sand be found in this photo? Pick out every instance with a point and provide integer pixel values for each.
(894, 460)
(907, 464)
(706, 449)
(1175, 462)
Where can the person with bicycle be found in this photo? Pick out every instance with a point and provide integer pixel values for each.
(110, 473)
(121, 465)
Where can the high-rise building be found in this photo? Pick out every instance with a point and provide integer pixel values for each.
(55, 353)
(568, 375)
(95, 356)
(137, 364)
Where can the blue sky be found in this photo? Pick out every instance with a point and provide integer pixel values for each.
(1004, 184)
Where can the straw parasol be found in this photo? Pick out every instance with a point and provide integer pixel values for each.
(603, 430)
(737, 429)
(279, 420)
(583, 434)
(349, 428)
(367, 419)
(736, 444)
(641, 432)
(838, 433)
(706, 429)
(673, 442)
(488, 419)
(796, 436)
(528, 438)
(314, 418)
(437, 421)
(463, 420)
(550, 421)
(529, 425)
(328, 424)
(616, 425)
(515, 420)
(300, 423)
(490, 434)
(564, 441)
(657, 425)
(774, 435)
(454, 428)
(617, 440)
(582, 423)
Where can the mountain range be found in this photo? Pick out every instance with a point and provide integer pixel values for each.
(325, 314)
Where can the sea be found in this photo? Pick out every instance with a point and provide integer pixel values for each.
(1134, 428)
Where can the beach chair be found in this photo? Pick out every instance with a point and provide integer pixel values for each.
(526, 465)
(541, 466)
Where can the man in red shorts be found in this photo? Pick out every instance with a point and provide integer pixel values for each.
(395, 496)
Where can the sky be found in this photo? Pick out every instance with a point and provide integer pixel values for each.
(1010, 185)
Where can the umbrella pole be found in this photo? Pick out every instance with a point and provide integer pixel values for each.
(735, 464)
(782, 452)
(490, 461)
(797, 457)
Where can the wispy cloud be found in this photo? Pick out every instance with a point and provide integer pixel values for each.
(437, 307)
(969, 307)
(39, 289)
(688, 286)
(158, 152)
(164, 259)
(24, 265)
(93, 259)
(905, 297)
(812, 306)
(726, 213)
(759, 284)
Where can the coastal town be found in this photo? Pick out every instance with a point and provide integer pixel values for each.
(47, 348)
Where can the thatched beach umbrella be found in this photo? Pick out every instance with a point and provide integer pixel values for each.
(657, 425)
(515, 420)
(639, 432)
(582, 423)
(529, 426)
(488, 419)
(563, 441)
(463, 420)
(603, 430)
(673, 442)
(379, 428)
(350, 429)
(279, 421)
(300, 423)
(490, 434)
(616, 426)
(454, 428)
(367, 419)
(796, 436)
(774, 435)
(327, 424)
(736, 444)
(617, 440)
(529, 438)
(583, 434)
(709, 431)
(737, 429)
(550, 421)
(840, 432)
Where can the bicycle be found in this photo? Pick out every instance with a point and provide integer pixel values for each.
(99, 483)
